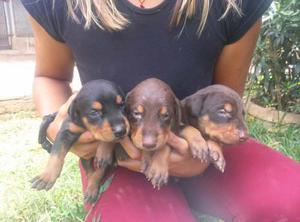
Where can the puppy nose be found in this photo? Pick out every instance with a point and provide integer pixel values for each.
(119, 130)
(242, 136)
(149, 142)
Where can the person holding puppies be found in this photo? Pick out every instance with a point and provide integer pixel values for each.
(189, 44)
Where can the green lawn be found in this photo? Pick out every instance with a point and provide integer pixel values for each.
(21, 159)
(284, 138)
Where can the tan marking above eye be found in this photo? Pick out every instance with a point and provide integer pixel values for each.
(228, 107)
(163, 110)
(222, 132)
(119, 99)
(140, 109)
(97, 105)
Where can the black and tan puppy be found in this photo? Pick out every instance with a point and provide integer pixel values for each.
(153, 111)
(218, 112)
(98, 108)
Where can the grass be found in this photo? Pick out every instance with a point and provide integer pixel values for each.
(21, 159)
(284, 138)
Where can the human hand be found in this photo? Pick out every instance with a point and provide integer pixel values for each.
(181, 162)
(86, 145)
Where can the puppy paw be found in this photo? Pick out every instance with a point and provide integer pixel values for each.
(220, 164)
(45, 181)
(103, 160)
(198, 146)
(199, 149)
(157, 176)
(216, 155)
(91, 195)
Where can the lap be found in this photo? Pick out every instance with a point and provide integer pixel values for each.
(259, 184)
(130, 197)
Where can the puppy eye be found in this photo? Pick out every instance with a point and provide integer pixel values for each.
(223, 113)
(94, 113)
(137, 115)
(165, 116)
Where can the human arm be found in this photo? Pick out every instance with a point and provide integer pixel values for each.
(53, 71)
(51, 85)
(234, 61)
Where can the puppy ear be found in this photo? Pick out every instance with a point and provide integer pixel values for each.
(127, 102)
(178, 113)
(121, 92)
(193, 105)
(74, 113)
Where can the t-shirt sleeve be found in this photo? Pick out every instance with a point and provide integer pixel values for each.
(236, 26)
(49, 14)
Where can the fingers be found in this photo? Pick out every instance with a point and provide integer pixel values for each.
(130, 149)
(86, 137)
(179, 144)
(85, 150)
(176, 157)
(61, 115)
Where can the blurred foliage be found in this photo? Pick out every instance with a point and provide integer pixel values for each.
(274, 78)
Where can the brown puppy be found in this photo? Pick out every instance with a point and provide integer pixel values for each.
(153, 111)
(217, 111)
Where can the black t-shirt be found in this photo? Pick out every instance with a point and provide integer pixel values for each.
(148, 47)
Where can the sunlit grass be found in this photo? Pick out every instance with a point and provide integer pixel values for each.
(21, 159)
(284, 138)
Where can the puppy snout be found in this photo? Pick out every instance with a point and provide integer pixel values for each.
(243, 136)
(149, 142)
(119, 130)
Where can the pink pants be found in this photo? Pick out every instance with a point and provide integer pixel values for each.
(259, 185)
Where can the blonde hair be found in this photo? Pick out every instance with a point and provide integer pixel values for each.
(105, 15)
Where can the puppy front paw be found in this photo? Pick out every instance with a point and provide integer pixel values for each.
(104, 156)
(158, 175)
(198, 146)
(103, 161)
(216, 155)
(91, 194)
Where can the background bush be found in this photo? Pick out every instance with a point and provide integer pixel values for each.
(275, 72)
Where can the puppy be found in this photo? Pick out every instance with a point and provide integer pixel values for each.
(153, 111)
(218, 112)
(98, 108)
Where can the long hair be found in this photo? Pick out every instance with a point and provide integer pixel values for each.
(105, 15)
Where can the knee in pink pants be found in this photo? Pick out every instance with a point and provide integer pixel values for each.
(259, 185)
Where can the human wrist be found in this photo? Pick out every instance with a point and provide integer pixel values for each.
(52, 130)
(43, 137)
